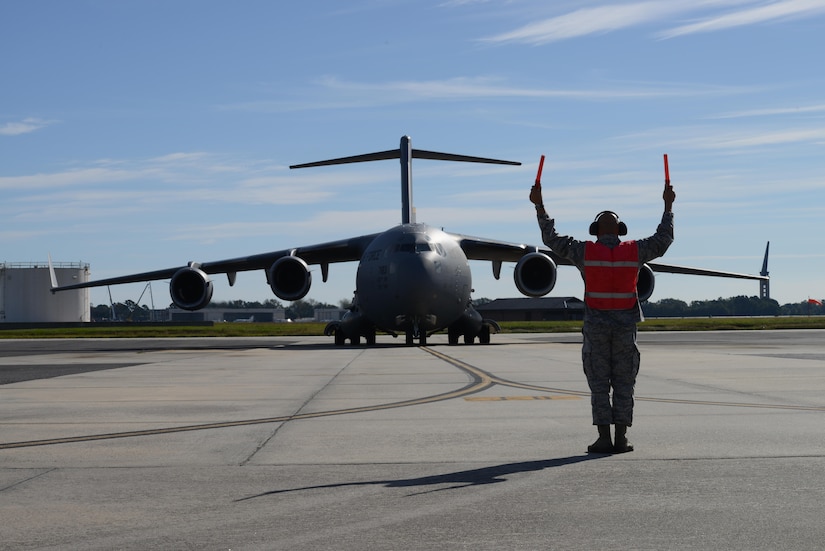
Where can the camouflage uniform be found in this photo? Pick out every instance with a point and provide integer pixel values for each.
(609, 352)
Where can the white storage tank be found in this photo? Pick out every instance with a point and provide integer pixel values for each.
(26, 297)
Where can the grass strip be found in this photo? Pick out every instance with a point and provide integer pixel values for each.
(136, 330)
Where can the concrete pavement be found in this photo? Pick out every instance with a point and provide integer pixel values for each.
(292, 443)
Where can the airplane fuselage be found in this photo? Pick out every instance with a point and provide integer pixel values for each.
(413, 278)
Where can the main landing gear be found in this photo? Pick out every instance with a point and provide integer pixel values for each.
(483, 336)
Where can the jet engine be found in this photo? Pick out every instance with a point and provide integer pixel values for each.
(190, 288)
(646, 283)
(535, 274)
(289, 278)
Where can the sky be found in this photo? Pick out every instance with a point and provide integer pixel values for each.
(140, 135)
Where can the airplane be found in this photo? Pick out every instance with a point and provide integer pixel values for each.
(412, 279)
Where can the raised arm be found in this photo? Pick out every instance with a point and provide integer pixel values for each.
(669, 196)
(536, 199)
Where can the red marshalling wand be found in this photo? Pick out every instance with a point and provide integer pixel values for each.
(667, 172)
(538, 174)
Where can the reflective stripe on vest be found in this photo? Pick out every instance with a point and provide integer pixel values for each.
(611, 275)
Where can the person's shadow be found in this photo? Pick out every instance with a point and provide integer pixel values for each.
(457, 480)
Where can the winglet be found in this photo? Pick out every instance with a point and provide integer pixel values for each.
(765, 284)
(52, 275)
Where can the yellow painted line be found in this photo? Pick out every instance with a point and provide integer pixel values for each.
(517, 398)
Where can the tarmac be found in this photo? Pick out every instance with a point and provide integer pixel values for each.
(294, 443)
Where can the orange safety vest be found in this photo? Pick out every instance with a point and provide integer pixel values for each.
(611, 275)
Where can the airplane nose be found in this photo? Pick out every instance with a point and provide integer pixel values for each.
(413, 296)
(417, 284)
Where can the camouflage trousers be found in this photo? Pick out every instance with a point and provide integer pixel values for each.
(611, 360)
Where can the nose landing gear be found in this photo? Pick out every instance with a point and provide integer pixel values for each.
(416, 333)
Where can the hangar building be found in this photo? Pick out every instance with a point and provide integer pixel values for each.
(533, 309)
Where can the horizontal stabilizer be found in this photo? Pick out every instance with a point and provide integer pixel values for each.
(396, 154)
(406, 154)
(436, 156)
(380, 156)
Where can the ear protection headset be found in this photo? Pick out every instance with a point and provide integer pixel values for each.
(594, 226)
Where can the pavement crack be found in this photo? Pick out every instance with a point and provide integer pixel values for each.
(299, 410)
(19, 482)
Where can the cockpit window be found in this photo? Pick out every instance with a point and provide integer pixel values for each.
(413, 247)
(415, 244)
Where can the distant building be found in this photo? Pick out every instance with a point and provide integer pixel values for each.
(228, 314)
(329, 314)
(26, 297)
(533, 309)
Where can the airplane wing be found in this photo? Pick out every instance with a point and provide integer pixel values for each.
(344, 250)
(477, 248)
(672, 269)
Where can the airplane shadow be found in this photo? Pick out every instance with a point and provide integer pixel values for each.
(456, 480)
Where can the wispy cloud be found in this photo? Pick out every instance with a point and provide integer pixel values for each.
(770, 137)
(127, 187)
(485, 87)
(365, 221)
(454, 3)
(708, 18)
(180, 168)
(587, 21)
(64, 179)
(772, 12)
(26, 126)
(722, 139)
(335, 93)
(777, 111)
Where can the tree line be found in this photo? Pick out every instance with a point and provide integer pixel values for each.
(733, 306)
(665, 308)
(131, 311)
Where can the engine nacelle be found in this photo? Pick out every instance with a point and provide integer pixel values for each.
(190, 288)
(289, 278)
(535, 274)
(646, 283)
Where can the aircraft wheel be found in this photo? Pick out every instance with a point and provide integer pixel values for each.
(370, 337)
(422, 340)
(484, 335)
(356, 340)
(410, 338)
(468, 339)
(339, 337)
